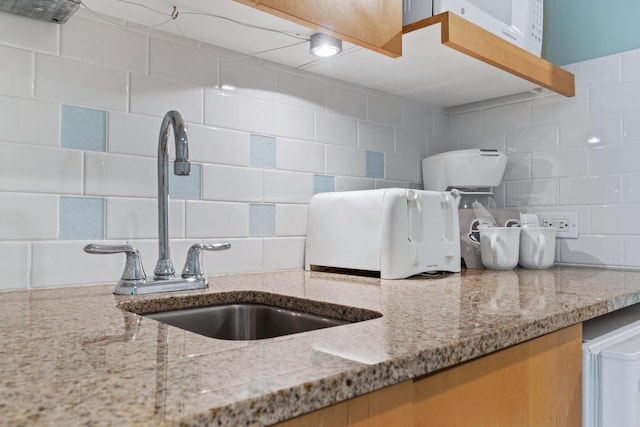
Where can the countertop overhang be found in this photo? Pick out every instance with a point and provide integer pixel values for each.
(71, 356)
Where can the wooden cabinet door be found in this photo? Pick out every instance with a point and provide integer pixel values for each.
(373, 24)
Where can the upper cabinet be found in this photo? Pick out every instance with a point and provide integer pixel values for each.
(445, 60)
(373, 24)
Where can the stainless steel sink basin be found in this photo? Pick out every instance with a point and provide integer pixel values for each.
(246, 315)
(244, 321)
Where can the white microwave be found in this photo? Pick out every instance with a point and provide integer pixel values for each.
(517, 21)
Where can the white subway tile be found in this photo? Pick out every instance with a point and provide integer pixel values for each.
(65, 263)
(411, 143)
(15, 264)
(129, 218)
(531, 193)
(621, 220)
(230, 183)
(29, 33)
(534, 138)
(466, 124)
(550, 164)
(376, 137)
(300, 156)
(40, 169)
(505, 117)
(28, 217)
(442, 124)
(384, 111)
(596, 72)
(250, 79)
(631, 125)
(486, 140)
(348, 183)
(558, 107)
(18, 116)
(594, 130)
(109, 45)
(441, 144)
(245, 255)
(292, 122)
(154, 97)
(291, 220)
(615, 98)
(287, 187)
(220, 146)
(177, 62)
(74, 82)
(16, 73)
(217, 219)
(119, 175)
(518, 167)
(402, 168)
(417, 119)
(134, 134)
(631, 247)
(592, 250)
(346, 101)
(631, 188)
(385, 183)
(301, 92)
(631, 64)
(282, 253)
(233, 111)
(339, 130)
(590, 190)
(615, 158)
(346, 161)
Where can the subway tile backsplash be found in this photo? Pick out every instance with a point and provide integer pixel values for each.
(79, 127)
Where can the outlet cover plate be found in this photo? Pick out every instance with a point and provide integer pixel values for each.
(570, 218)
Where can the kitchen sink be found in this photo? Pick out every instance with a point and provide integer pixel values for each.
(244, 321)
(249, 315)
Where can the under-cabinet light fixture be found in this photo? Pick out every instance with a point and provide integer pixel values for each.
(324, 45)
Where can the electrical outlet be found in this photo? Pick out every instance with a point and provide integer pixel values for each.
(565, 222)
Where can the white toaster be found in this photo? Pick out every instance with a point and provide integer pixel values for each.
(394, 231)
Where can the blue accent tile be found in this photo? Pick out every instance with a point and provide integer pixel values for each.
(81, 218)
(262, 151)
(324, 183)
(375, 164)
(83, 128)
(262, 220)
(186, 187)
(416, 186)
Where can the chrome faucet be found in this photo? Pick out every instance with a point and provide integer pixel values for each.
(134, 280)
(181, 166)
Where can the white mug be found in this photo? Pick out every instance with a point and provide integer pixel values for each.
(537, 247)
(499, 247)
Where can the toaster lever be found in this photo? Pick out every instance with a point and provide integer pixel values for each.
(414, 217)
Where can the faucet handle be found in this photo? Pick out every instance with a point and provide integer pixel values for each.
(133, 273)
(192, 266)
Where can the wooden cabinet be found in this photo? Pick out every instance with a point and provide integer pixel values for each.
(431, 66)
(537, 383)
(374, 24)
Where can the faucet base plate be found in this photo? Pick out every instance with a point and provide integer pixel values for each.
(156, 286)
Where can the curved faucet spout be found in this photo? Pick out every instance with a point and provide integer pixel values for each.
(181, 166)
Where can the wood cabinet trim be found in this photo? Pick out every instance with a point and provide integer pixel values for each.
(378, 27)
(463, 36)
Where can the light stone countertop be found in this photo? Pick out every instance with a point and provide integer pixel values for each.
(69, 356)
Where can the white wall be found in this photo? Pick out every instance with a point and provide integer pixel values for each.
(80, 111)
(577, 154)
